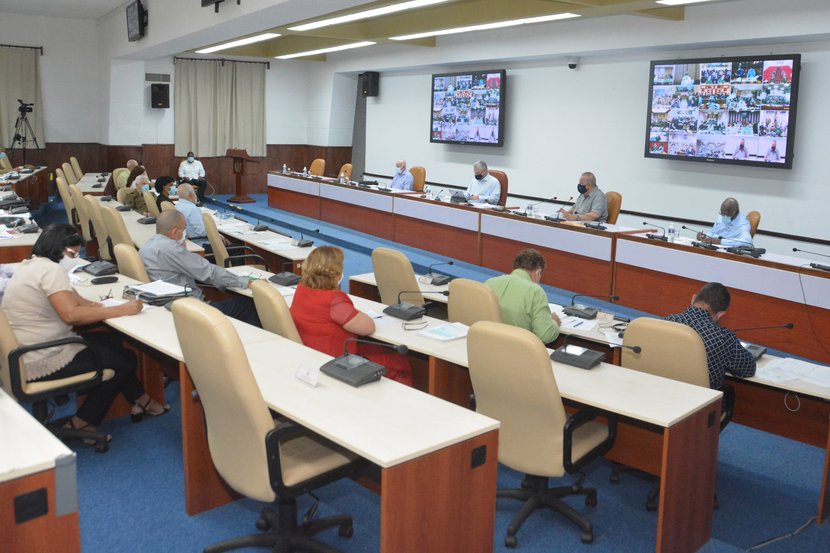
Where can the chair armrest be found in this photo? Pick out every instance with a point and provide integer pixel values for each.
(572, 424)
(231, 258)
(14, 367)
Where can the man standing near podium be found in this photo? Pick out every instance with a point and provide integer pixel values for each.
(484, 187)
(192, 171)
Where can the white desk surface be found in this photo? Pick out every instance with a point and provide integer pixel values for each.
(369, 278)
(797, 386)
(21, 180)
(87, 183)
(27, 446)
(268, 240)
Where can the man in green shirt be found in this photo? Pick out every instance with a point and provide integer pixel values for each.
(523, 302)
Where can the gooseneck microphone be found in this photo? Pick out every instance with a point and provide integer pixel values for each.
(439, 280)
(696, 231)
(354, 369)
(788, 326)
(584, 358)
(286, 277)
(654, 236)
(585, 312)
(635, 349)
(815, 265)
(400, 348)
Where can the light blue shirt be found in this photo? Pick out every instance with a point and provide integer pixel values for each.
(401, 181)
(487, 189)
(733, 233)
(193, 217)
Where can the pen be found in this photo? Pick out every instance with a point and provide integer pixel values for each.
(577, 324)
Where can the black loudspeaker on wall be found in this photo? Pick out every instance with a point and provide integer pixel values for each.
(370, 83)
(160, 95)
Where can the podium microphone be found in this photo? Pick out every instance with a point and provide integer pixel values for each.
(815, 265)
(582, 311)
(788, 326)
(439, 280)
(654, 236)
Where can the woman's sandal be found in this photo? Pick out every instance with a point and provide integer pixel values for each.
(89, 428)
(136, 417)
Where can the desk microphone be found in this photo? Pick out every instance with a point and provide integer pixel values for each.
(582, 311)
(440, 280)
(400, 348)
(815, 265)
(788, 326)
(285, 278)
(635, 349)
(696, 231)
(303, 242)
(406, 311)
(584, 358)
(654, 236)
(354, 369)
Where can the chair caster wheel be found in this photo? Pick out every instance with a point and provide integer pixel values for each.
(262, 524)
(511, 542)
(588, 537)
(346, 531)
(591, 499)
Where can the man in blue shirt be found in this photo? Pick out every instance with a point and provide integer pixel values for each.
(731, 229)
(403, 178)
(192, 214)
(484, 187)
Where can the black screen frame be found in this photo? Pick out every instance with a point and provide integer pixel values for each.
(502, 98)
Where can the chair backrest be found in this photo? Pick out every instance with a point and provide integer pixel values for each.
(236, 415)
(129, 263)
(69, 173)
(501, 176)
(668, 349)
(66, 198)
(318, 167)
(116, 228)
(513, 383)
(472, 301)
(273, 312)
(5, 162)
(82, 210)
(220, 252)
(614, 202)
(419, 178)
(121, 195)
(97, 218)
(346, 171)
(76, 167)
(8, 343)
(167, 206)
(394, 274)
(754, 218)
(120, 176)
(150, 202)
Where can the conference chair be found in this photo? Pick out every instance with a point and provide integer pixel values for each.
(66, 198)
(130, 263)
(471, 301)
(501, 176)
(614, 201)
(150, 202)
(513, 383)
(167, 206)
(265, 459)
(76, 167)
(5, 162)
(346, 171)
(394, 274)
(119, 177)
(226, 256)
(121, 195)
(117, 232)
(101, 236)
(82, 212)
(419, 178)
(754, 218)
(39, 393)
(273, 312)
(318, 167)
(69, 173)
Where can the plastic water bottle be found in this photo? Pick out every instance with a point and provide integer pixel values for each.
(342, 178)
(671, 233)
(284, 169)
(305, 171)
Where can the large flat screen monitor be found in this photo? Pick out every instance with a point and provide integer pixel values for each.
(468, 108)
(736, 110)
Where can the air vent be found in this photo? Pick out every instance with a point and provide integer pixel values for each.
(157, 77)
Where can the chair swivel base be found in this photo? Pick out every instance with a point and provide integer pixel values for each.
(537, 495)
(282, 534)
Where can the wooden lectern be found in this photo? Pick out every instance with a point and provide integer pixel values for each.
(240, 156)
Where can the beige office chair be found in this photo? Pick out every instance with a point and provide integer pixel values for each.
(536, 435)
(419, 178)
(130, 263)
(76, 167)
(259, 457)
(167, 206)
(119, 177)
(226, 256)
(93, 207)
(150, 202)
(346, 171)
(273, 312)
(614, 203)
(471, 301)
(394, 274)
(318, 167)
(121, 195)
(69, 173)
(754, 218)
(117, 232)
(82, 212)
(5, 162)
(501, 176)
(38, 393)
(66, 198)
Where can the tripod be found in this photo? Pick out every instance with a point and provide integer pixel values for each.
(23, 129)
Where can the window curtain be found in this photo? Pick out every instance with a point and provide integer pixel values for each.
(20, 79)
(219, 105)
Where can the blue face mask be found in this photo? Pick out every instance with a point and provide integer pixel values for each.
(190, 159)
(145, 188)
(725, 219)
(173, 190)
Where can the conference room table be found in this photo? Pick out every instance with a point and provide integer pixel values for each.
(93, 183)
(420, 442)
(33, 186)
(38, 491)
(16, 246)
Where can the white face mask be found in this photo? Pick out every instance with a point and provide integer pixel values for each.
(190, 159)
(398, 170)
(183, 239)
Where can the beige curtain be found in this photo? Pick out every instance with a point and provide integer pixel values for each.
(219, 106)
(20, 79)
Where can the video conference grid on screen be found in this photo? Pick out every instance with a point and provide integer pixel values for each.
(467, 108)
(739, 110)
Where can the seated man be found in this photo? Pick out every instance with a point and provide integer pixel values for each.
(523, 302)
(484, 187)
(166, 258)
(724, 352)
(131, 164)
(731, 229)
(192, 214)
(590, 205)
(192, 171)
(403, 178)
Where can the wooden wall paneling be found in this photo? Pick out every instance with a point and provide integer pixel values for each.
(335, 158)
(117, 156)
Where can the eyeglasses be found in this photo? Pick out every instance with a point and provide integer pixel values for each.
(108, 296)
(414, 326)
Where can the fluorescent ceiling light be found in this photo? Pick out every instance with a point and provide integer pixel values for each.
(235, 43)
(680, 2)
(326, 50)
(487, 26)
(366, 14)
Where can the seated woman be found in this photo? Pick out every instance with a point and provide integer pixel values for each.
(325, 316)
(165, 187)
(138, 179)
(41, 306)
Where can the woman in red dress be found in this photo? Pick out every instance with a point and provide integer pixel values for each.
(325, 316)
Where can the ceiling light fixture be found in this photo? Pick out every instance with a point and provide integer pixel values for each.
(487, 26)
(365, 14)
(680, 2)
(235, 43)
(326, 50)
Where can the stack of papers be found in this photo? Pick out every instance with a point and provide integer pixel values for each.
(784, 369)
(449, 331)
(160, 288)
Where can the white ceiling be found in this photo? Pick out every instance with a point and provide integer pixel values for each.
(77, 9)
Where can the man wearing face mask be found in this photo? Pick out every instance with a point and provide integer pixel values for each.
(731, 229)
(192, 171)
(773, 156)
(484, 187)
(590, 205)
(403, 178)
(166, 258)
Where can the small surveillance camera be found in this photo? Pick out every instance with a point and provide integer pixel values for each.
(573, 63)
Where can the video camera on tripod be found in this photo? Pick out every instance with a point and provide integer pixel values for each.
(24, 108)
